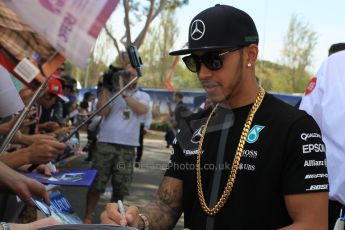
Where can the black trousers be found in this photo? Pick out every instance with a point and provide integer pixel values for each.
(141, 143)
(334, 208)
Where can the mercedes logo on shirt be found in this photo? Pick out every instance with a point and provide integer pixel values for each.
(197, 29)
(197, 135)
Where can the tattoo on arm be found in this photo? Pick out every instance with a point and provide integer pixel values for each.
(165, 210)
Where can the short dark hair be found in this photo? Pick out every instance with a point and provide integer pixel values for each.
(87, 95)
(179, 94)
(84, 105)
(336, 48)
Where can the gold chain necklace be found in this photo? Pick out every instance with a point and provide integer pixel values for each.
(235, 164)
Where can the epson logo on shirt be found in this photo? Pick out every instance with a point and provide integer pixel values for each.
(250, 153)
(313, 148)
(318, 187)
(314, 176)
(313, 163)
(306, 136)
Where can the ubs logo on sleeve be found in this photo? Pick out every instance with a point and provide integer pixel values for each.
(254, 134)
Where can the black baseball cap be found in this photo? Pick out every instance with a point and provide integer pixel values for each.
(220, 27)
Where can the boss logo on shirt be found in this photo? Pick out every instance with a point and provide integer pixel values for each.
(254, 134)
(250, 154)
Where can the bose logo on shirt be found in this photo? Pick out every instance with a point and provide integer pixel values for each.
(318, 187)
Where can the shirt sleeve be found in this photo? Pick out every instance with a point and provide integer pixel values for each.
(305, 168)
(176, 159)
(143, 98)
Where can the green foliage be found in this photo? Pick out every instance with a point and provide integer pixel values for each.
(184, 79)
(157, 61)
(154, 52)
(89, 77)
(299, 43)
(275, 78)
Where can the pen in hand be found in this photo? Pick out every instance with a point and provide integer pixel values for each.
(121, 208)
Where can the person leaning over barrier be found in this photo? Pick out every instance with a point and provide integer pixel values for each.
(271, 182)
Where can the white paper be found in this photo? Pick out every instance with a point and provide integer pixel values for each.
(10, 101)
(70, 26)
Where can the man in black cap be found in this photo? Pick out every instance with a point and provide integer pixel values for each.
(249, 162)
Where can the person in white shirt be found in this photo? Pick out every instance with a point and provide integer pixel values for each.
(325, 102)
(117, 139)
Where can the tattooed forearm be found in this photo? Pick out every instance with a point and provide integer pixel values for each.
(165, 210)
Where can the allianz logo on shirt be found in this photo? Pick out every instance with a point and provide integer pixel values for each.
(254, 134)
(314, 163)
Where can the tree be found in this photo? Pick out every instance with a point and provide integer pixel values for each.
(155, 51)
(142, 12)
(157, 61)
(299, 43)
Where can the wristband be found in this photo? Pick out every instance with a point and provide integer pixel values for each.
(145, 220)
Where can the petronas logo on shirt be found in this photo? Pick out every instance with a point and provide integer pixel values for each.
(254, 134)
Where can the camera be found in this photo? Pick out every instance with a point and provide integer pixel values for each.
(112, 78)
(135, 59)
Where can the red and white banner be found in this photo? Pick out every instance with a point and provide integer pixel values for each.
(70, 26)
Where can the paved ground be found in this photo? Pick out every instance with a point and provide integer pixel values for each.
(145, 182)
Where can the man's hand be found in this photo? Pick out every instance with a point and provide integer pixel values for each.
(111, 215)
(49, 126)
(44, 169)
(21, 185)
(30, 139)
(162, 213)
(35, 225)
(44, 150)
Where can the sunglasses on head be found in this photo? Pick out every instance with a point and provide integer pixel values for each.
(212, 60)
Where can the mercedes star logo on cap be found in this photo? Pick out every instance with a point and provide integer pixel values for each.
(197, 29)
